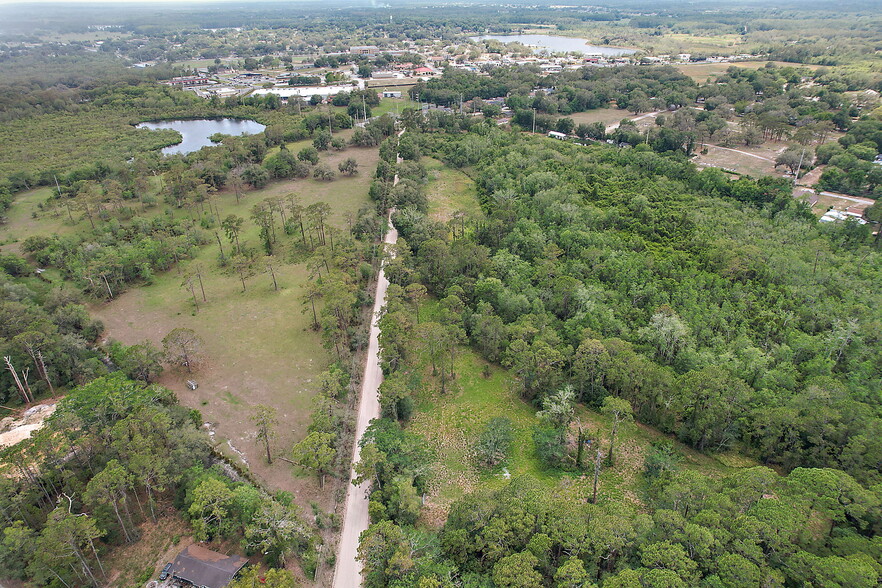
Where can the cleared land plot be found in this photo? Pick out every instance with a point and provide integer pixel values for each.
(258, 347)
(753, 161)
(700, 72)
(22, 222)
(607, 116)
(452, 423)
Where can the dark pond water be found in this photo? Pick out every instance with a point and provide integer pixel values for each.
(552, 44)
(196, 133)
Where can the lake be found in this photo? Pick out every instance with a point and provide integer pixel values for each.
(552, 44)
(196, 133)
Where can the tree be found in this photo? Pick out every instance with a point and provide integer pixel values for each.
(322, 141)
(316, 452)
(495, 442)
(110, 487)
(232, 226)
(366, 469)
(711, 401)
(792, 158)
(278, 531)
(517, 571)
(211, 500)
(572, 574)
(272, 578)
(557, 408)
(68, 541)
(619, 410)
(386, 555)
(308, 154)
(348, 167)
(17, 547)
(323, 172)
(668, 334)
(182, 346)
(416, 293)
(242, 265)
(264, 419)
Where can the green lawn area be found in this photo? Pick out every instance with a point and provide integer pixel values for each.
(452, 423)
(450, 190)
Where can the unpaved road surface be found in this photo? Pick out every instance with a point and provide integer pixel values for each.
(347, 573)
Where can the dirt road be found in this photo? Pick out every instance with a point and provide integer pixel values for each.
(614, 126)
(347, 573)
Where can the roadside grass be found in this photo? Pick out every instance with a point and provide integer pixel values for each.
(450, 190)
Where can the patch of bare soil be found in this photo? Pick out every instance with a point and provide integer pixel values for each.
(14, 430)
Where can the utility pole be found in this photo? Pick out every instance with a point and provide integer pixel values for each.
(330, 122)
(364, 108)
(799, 167)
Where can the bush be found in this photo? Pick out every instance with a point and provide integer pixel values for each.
(661, 459)
(309, 154)
(549, 447)
(495, 442)
(14, 265)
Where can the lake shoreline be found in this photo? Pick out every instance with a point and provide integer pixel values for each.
(196, 132)
(563, 44)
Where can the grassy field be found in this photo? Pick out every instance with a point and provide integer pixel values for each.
(450, 190)
(754, 161)
(258, 349)
(452, 424)
(607, 116)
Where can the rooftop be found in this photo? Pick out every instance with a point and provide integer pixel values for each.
(203, 567)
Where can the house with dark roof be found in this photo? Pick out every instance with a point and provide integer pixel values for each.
(205, 568)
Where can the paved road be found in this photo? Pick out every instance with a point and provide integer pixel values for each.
(347, 573)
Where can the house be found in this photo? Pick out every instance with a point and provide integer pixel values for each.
(423, 71)
(188, 81)
(364, 50)
(205, 568)
(556, 135)
(391, 94)
(834, 215)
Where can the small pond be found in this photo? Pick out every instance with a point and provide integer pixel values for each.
(552, 44)
(196, 133)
